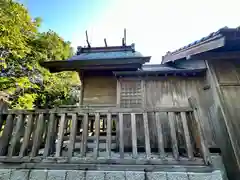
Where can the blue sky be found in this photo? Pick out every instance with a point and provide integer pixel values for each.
(66, 16)
(155, 26)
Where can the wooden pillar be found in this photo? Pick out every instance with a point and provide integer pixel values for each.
(3, 102)
(81, 76)
(118, 93)
(143, 87)
(3, 106)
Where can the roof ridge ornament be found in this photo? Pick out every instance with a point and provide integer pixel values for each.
(79, 50)
(133, 47)
(124, 39)
(89, 46)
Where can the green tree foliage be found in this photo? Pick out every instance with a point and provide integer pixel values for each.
(22, 48)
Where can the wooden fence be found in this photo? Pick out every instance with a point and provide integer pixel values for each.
(62, 134)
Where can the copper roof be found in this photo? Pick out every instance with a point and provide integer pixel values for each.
(99, 57)
(112, 52)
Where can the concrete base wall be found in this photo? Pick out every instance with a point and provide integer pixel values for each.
(214, 172)
(7, 174)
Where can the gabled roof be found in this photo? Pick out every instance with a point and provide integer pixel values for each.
(112, 57)
(103, 53)
(225, 39)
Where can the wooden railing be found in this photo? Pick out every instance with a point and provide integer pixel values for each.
(63, 133)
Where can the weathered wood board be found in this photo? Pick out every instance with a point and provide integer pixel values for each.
(99, 90)
(175, 91)
(170, 91)
(224, 77)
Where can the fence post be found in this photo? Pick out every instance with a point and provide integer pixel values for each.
(196, 115)
(3, 102)
(3, 106)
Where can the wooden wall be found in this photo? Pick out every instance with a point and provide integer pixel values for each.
(175, 91)
(224, 77)
(99, 90)
(168, 92)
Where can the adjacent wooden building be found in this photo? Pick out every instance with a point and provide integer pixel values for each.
(221, 89)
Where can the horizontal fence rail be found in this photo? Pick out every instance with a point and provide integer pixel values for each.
(99, 135)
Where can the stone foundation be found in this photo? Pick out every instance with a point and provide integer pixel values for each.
(7, 174)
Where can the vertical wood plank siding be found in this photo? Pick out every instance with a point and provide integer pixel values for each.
(170, 91)
(99, 90)
(224, 76)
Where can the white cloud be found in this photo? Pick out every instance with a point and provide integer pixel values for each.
(157, 26)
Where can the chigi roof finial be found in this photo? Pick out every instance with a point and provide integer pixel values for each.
(124, 39)
(89, 46)
(105, 42)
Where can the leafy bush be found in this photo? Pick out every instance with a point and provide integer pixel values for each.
(22, 48)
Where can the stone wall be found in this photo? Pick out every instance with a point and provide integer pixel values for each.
(23, 174)
(214, 172)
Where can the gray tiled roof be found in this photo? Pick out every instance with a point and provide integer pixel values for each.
(157, 67)
(211, 35)
(153, 69)
(223, 32)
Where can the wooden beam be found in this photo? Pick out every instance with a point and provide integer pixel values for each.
(159, 135)
(38, 135)
(81, 76)
(210, 44)
(134, 135)
(6, 136)
(203, 140)
(172, 118)
(72, 135)
(1, 119)
(121, 135)
(80, 163)
(109, 135)
(216, 55)
(118, 93)
(90, 138)
(84, 135)
(50, 140)
(113, 110)
(97, 133)
(16, 135)
(187, 135)
(27, 134)
(229, 84)
(60, 135)
(144, 96)
(146, 135)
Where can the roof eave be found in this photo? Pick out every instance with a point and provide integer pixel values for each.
(164, 72)
(145, 58)
(64, 65)
(205, 46)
